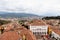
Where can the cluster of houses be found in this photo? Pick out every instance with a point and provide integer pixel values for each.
(36, 27)
(55, 32)
(39, 27)
(15, 32)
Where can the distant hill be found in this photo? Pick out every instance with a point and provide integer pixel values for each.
(6, 14)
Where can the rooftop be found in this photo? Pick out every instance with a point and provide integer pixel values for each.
(37, 23)
(11, 35)
(17, 34)
(56, 29)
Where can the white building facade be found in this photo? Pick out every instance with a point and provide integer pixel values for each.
(55, 35)
(39, 30)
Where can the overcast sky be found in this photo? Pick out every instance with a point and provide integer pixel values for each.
(39, 7)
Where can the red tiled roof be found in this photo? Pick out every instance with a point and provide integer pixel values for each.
(55, 29)
(29, 35)
(38, 23)
(15, 35)
(11, 35)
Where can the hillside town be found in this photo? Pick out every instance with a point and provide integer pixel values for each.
(31, 29)
(29, 19)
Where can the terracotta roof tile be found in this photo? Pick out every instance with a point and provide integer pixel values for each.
(11, 35)
(38, 23)
(17, 34)
(56, 29)
(29, 35)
